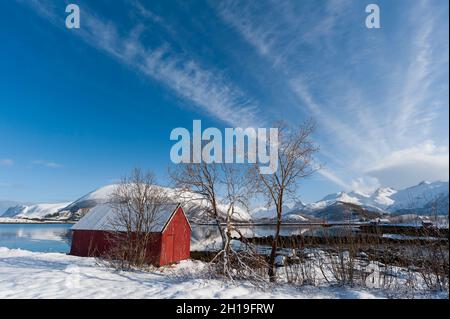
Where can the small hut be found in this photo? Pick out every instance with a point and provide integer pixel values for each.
(170, 234)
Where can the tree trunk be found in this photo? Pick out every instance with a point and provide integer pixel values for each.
(226, 251)
(273, 252)
(217, 220)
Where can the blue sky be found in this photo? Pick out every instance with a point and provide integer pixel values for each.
(80, 108)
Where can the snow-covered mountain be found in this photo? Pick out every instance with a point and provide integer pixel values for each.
(343, 211)
(5, 205)
(419, 196)
(82, 205)
(423, 199)
(262, 214)
(194, 206)
(37, 211)
(382, 199)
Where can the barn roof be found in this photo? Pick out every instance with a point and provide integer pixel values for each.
(104, 217)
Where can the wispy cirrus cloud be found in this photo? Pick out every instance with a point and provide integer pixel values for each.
(204, 88)
(370, 104)
(374, 94)
(49, 164)
(6, 162)
(330, 175)
(278, 34)
(415, 107)
(346, 135)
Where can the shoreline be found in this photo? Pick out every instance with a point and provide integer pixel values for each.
(39, 222)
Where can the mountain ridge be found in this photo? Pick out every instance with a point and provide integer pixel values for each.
(421, 199)
(425, 198)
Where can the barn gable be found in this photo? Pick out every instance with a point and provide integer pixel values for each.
(172, 216)
(104, 218)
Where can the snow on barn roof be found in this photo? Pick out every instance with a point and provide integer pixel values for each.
(104, 217)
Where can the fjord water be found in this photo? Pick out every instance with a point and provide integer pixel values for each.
(36, 237)
(57, 237)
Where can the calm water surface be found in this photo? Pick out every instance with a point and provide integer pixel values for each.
(57, 237)
(36, 237)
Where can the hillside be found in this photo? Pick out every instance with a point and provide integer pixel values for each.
(37, 211)
(423, 199)
(195, 208)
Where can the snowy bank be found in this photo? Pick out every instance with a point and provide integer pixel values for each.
(25, 274)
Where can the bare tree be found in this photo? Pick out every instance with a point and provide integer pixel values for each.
(137, 203)
(225, 189)
(295, 161)
(244, 262)
(201, 180)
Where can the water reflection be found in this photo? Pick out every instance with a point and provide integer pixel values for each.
(57, 238)
(207, 237)
(36, 237)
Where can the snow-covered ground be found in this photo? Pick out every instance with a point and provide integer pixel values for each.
(25, 274)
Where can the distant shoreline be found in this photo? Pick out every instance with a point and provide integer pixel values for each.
(28, 221)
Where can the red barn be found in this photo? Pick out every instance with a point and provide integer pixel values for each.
(171, 234)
